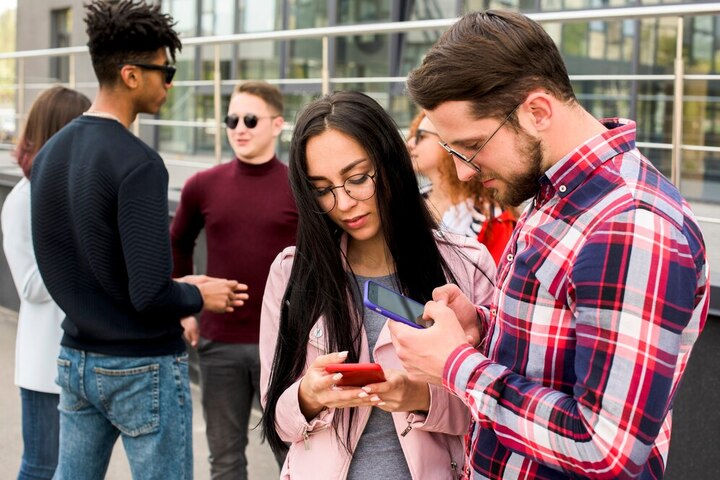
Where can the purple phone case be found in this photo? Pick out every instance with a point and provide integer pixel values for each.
(398, 318)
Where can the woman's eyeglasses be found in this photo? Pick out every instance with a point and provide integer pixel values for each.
(250, 120)
(420, 134)
(359, 187)
(168, 70)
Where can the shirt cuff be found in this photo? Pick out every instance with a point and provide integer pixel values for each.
(461, 366)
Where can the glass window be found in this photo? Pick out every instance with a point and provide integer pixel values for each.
(417, 43)
(430, 9)
(184, 12)
(257, 16)
(523, 5)
(303, 58)
(703, 45)
(362, 55)
(217, 17)
(61, 27)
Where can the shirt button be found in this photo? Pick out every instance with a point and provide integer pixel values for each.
(562, 188)
(510, 257)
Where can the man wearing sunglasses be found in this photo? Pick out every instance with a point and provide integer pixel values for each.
(249, 216)
(603, 289)
(99, 220)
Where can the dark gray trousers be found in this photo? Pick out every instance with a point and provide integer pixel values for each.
(230, 384)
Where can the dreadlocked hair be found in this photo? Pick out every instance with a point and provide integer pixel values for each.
(126, 31)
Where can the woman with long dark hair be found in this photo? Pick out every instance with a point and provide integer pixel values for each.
(361, 217)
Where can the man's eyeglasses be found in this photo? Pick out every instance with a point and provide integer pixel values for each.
(420, 134)
(168, 70)
(359, 187)
(469, 161)
(249, 119)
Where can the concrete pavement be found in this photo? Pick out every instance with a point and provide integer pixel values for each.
(261, 461)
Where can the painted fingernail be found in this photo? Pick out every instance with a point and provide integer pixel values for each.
(362, 395)
(380, 403)
(337, 376)
(343, 354)
(375, 398)
(367, 389)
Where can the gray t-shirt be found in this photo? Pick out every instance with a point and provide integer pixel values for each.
(378, 453)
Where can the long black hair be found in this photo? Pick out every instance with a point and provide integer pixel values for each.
(319, 284)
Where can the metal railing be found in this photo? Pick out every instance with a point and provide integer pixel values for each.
(325, 81)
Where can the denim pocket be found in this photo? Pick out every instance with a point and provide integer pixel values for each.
(131, 397)
(70, 400)
(63, 375)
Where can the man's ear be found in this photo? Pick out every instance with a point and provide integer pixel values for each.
(277, 124)
(129, 76)
(540, 106)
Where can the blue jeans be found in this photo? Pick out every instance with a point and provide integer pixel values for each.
(40, 431)
(145, 400)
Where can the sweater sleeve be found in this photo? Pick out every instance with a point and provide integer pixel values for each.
(145, 239)
(185, 228)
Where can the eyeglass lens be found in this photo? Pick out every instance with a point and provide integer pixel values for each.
(420, 134)
(359, 187)
(250, 120)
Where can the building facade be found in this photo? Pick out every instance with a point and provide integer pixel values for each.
(619, 67)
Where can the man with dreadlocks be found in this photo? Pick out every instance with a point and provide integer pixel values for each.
(100, 231)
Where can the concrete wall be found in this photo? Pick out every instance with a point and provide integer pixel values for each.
(696, 431)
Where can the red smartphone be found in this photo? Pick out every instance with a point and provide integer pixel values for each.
(357, 374)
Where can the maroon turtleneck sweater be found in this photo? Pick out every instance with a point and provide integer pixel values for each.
(249, 216)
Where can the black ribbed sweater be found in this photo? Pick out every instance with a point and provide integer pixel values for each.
(100, 234)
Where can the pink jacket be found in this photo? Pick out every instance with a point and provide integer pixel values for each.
(433, 442)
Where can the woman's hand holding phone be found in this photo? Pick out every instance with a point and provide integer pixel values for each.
(399, 393)
(318, 389)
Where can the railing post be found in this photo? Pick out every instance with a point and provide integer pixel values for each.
(72, 80)
(677, 124)
(217, 104)
(20, 94)
(325, 65)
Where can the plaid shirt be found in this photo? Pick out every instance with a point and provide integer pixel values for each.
(602, 292)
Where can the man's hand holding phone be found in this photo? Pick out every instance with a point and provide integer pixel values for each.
(465, 311)
(424, 352)
(394, 305)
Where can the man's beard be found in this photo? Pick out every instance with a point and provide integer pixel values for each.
(522, 186)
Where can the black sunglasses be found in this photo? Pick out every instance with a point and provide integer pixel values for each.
(168, 70)
(250, 120)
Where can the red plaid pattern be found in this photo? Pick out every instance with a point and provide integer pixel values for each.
(602, 293)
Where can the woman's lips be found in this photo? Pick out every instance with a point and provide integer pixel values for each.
(356, 222)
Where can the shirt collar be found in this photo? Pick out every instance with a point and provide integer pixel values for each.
(572, 170)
